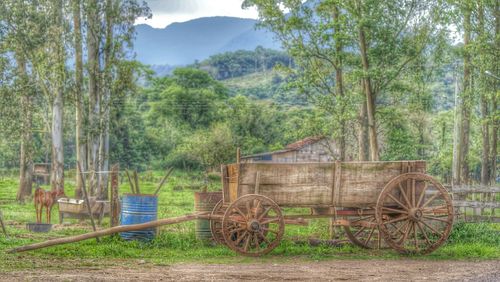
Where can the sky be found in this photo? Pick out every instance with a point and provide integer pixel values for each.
(166, 12)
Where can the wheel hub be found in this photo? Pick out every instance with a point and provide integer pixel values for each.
(415, 214)
(254, 226)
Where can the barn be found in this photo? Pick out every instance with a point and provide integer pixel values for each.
(310, 149)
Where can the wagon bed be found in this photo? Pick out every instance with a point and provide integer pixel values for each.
(392, 203)
(346, 184)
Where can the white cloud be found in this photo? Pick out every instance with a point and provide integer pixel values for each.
(166, 12)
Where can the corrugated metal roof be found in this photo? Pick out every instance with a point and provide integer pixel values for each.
(304, 142)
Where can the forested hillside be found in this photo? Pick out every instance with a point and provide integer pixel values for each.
(396, 86)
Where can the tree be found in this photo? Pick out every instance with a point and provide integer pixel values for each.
(79, 96)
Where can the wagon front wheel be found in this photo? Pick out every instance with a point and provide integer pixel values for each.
(253, 225)
(414, 213)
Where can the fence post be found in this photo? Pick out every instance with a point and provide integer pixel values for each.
(115, 203)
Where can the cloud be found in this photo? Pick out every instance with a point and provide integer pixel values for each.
(166, 12)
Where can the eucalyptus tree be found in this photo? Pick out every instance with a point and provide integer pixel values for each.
(338, 43)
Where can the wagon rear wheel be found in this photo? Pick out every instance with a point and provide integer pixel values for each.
(363, 230)
(253, 225)
(216, 224)
(414, 213)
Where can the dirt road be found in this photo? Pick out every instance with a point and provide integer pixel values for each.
(347, 270)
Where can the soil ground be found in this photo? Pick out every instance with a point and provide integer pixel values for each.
(332, 270)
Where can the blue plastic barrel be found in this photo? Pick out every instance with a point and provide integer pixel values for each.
(139, 209)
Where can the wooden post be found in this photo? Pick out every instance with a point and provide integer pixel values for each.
(89, 208)
(3, 225)
(257, 183)
(238, 155)
(115, 203)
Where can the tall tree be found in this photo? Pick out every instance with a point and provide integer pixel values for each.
(26, 151)
(59, 76)
(92, 13)
(79, 95)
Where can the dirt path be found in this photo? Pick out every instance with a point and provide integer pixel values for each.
(348, 270)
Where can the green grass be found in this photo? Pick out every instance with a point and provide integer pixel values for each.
(177, 243)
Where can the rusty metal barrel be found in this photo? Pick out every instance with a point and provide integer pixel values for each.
(205, 202)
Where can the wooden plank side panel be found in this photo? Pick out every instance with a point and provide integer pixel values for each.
(295, 184)
(233, 177)
(362, 182)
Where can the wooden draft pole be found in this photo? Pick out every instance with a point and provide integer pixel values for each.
(115, 203)
(104, 232)
(89, 208)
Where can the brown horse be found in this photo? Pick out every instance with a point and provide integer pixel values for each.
(46, 199)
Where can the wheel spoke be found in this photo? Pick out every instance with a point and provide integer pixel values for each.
(257, 208)
(241, 238)
(413, 195)
(395, 210)
(396, 220)
(436, 218)
(270, 230)
(266, 211)
(359, 231)
(369, 236)
(264, 237)
(271, 220)
(431, 199)
(249, 210)
(422, 194)
(256, 241)
(404, 195)
(434, 209)
(397, 201)
(247, 243)
(236, 230)
(405, 235)
(415, 235)
(430, 227)
(239, 211)
(424, 233)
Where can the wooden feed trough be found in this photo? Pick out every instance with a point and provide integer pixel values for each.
(75, 208)
(391, 202)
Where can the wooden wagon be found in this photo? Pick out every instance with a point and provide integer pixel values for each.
(390, 203)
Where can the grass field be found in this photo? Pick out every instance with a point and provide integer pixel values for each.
(177, 243)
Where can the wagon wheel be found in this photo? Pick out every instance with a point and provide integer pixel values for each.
(258, 223)
(363, 230)
(420, 213)
(216, 224)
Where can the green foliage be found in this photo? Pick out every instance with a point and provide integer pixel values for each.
(239, 63)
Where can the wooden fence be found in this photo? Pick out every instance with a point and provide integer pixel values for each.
(476, 203)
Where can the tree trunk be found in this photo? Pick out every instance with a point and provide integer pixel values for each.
(108, 65)
(370, 97)
(466, 102)
(57, 179)
(80, 135)
(496, 120)
(363, 148)
(26, 156)
(93, 39)
(485, 125)
(339, 83)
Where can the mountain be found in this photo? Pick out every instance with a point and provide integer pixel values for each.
(183, 43)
